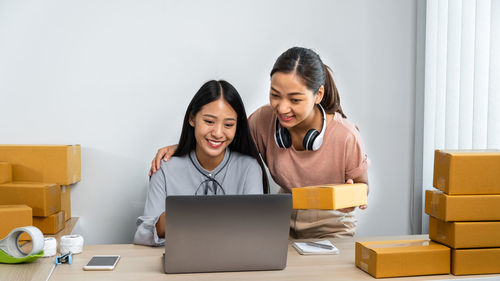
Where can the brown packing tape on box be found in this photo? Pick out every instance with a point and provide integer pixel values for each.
(51, 224)
(330, 197)
(66, 201)
(13, 216)
(467, 171)
(43, 198)
(475, 261)
(59, 164)
(462, 207)
(402, 258)
(5, 172)
(476, 234)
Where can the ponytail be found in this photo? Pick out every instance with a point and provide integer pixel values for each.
(331, 97)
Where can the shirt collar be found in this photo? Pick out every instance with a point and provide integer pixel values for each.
(217, 169)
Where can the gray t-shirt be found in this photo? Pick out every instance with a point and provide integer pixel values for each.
(236, 174)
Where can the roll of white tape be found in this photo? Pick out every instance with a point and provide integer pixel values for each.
(50, 247)
(71, 243)
(10, 244)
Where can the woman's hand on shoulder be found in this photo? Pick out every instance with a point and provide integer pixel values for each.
(164, 154)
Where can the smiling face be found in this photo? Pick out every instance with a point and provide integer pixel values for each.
(214, 129)
(292, 101)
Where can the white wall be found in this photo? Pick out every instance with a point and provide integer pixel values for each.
(116, 77)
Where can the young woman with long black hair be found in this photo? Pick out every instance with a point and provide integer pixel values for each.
(215, 156)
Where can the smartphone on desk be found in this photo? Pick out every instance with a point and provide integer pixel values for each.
(102, 262)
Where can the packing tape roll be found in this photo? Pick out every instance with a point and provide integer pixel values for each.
(71, 243)
(50, 247)
(10, 252)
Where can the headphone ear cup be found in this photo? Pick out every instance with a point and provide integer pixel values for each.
(284, 140)
(309, 138)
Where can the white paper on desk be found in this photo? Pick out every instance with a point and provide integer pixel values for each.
(305, 249)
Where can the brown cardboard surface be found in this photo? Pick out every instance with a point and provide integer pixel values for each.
(475, 261)
(12, 216)
(51, 224)
(462, 207)
(477, 234)
(467, 171)
(43, 198)
(5, 172)
(43, 163)
(402, 258)
(66, 201)
(329, 197)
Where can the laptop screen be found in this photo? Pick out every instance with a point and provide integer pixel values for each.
(226, 233)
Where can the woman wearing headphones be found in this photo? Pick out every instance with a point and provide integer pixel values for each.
(215, 155)
(305, 139)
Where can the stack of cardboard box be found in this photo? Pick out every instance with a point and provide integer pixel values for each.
(38, 178)
(464, 212)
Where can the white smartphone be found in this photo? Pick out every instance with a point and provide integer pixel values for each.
(102, 263)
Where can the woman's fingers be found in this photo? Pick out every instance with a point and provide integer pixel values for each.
(346, 210)
(156, 163)
(152, 169)
(349, 181)
(157, 160)
(164, 154)
(168, 153)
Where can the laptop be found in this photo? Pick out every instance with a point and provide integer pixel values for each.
(226, 232)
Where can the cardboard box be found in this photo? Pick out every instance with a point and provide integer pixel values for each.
(13, 216)
(43, 198)
(51, 224)
(476, 234)
(462, 207)
(329, 197)
(402, 258)
(467, 171)
(475, 261)
(43, 163)
(5, 172)
(66, 201)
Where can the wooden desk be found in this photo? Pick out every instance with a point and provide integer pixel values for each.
(145, 263)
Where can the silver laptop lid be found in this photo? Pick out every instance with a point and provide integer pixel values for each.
(226, 233)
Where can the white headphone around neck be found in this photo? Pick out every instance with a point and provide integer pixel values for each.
(312, 140)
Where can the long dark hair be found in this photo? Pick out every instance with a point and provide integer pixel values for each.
(242, 141)
(307, 64)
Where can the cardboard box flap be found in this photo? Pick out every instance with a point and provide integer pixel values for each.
(402, 246)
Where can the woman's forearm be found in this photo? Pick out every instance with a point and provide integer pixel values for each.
(160, 226)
